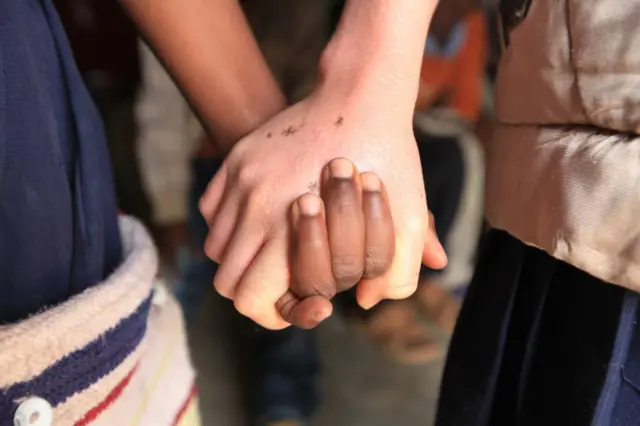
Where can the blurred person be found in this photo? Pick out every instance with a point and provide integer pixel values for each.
(168, 136)
(451, 103)
(549, 330)
(454, 60)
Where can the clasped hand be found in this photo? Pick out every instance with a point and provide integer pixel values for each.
(290, 227)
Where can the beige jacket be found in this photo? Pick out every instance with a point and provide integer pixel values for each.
(564, 164)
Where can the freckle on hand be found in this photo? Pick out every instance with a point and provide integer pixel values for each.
(289, 131)
(269, 135)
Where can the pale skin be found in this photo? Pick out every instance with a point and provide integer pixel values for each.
(361, 110)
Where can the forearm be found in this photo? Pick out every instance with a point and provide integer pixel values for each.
(208, 48)
(378, 49)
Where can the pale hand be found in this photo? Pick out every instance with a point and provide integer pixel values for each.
(247, 203)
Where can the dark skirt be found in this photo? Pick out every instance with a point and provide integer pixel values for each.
(539, 342)
(58, 225)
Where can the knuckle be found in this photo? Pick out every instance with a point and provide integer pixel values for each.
(246, 305)
(258, 209)
(276, 324)
(396, 292)
(324, 288)
(212, 250)
(285, 305)
(203, 208)
(222, 289)
(258, 199)
(376, 263)
(347, 268)
(318, 285)
(246, 175)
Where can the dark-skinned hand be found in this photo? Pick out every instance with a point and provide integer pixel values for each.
(340, 236)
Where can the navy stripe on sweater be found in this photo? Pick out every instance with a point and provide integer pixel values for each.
(80, 369)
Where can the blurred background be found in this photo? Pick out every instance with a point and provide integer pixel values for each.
(376, 368)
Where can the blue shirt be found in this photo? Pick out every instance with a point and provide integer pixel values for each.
(58, 224)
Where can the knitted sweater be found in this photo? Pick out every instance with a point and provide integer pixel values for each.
(115, 354)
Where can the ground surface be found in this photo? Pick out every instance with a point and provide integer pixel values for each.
(361, 386)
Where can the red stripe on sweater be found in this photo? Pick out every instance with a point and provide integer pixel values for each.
(110, 399)
(185, 405)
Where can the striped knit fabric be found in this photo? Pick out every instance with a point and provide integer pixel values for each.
(115, 354)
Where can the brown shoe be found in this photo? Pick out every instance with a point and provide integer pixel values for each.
(396, 328)
(437, 305)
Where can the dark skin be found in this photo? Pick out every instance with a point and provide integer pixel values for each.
(340, 236)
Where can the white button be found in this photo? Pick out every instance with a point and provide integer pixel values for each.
(33, 411)
(159, 294)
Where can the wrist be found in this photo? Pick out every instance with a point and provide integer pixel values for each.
(245, 117)
(377, 50)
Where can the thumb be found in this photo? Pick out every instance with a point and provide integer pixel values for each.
(306, 313)
(433, 254)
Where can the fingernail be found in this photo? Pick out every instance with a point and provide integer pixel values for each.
(341, 168)
(310, 205)
(370, 182)
(321, 315)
